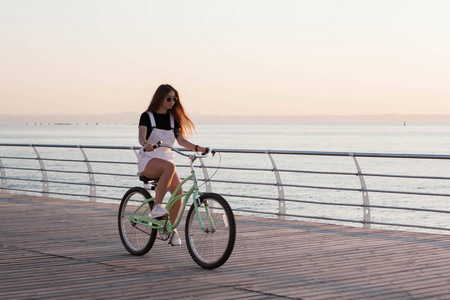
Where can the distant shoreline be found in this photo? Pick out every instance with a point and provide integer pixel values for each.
(132, 118)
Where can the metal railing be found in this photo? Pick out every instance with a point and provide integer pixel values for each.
(274, 186)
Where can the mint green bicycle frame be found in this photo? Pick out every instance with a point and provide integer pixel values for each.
(143, 218)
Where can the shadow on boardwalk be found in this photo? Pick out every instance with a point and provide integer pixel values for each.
(53, 248)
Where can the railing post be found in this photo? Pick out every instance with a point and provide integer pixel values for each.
(4, 183)
(365, 194)
(45, 186)
(280, 190)
(92, 188)
(135, 152)
(206, 175)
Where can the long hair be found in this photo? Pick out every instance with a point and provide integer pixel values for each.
(186, 125)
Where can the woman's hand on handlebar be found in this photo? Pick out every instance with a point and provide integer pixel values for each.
(149, 147)
(203, 150)
(206, 150)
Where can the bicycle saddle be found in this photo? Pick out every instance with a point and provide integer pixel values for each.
(146, 179)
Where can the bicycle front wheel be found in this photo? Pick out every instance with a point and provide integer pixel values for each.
(136, 238)
(211, 246)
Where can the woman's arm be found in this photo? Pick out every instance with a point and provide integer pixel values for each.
(188, 145)
(142, 139)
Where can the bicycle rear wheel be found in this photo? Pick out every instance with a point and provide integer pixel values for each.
(211, 248)
(137, 239)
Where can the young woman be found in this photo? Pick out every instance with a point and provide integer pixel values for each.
(166, 121)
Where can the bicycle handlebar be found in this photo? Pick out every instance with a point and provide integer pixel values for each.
(208, 152)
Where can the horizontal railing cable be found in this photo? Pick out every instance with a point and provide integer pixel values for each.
(329, 188)
(330, 173)
(340, 204)
(66, 194)
(73, 172)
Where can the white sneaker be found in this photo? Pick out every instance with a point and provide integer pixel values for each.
(175, 240)
(158, 211)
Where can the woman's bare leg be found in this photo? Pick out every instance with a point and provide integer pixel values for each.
(168, 180)
(164, 170)
(175, 209)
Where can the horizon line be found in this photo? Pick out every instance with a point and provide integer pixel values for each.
(133, 118)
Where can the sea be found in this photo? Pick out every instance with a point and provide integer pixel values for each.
(329, 186)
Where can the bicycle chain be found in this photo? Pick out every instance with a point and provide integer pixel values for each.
(163, 233)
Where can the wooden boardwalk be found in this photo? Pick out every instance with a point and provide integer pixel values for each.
(66, 249)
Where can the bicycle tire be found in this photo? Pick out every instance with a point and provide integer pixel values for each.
(137, 239)
(211, 248)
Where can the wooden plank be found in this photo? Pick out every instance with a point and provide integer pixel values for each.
(56, 248)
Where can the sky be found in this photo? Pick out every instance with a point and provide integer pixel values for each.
(228, 58)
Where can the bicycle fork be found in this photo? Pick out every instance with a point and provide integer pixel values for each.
(212, 227)
(199, 203)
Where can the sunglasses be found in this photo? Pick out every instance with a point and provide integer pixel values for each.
(172, 98)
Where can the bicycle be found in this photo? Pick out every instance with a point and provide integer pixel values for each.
(210, 228)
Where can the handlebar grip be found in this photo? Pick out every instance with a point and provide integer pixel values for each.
(158, 144)
(208, 152)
